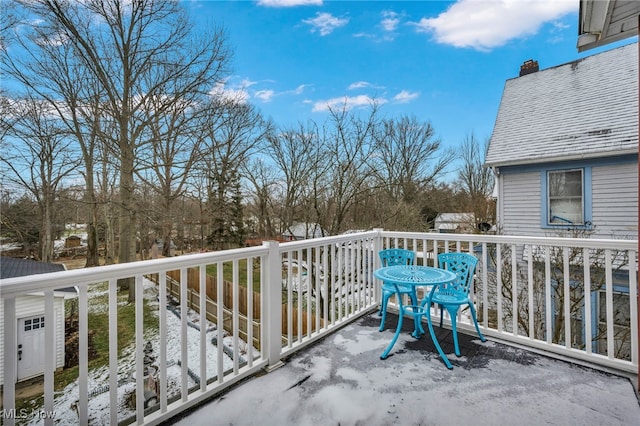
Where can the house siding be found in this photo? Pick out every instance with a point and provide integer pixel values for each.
(521, 215)
(27, 306)
(615, 202)
(612, 201)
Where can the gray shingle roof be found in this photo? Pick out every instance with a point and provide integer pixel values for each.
(11, 267)
(583, 109)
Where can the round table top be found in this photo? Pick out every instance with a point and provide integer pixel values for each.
(414, 275)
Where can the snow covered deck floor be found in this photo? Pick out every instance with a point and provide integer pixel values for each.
(342, 381)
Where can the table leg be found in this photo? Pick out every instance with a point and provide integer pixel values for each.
(385, 354)
(418, 330)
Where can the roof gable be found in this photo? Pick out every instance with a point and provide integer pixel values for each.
(587, 108)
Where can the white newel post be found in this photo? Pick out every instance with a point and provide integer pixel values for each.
(10, 360)
(272, 320)
(377, 246)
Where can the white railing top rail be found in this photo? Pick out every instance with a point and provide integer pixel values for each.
(56, 280)
(336, 239)
(518, 239)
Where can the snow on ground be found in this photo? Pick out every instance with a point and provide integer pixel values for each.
(343, 381)
(99, 397)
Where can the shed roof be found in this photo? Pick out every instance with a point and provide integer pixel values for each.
(587, 108)
(11, 267)
(455, 217)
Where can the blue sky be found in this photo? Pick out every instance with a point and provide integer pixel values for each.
(443, 62)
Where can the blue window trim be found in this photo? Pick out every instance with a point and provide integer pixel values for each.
(586, 198)
(595, 309)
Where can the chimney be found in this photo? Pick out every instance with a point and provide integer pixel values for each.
(529, 67)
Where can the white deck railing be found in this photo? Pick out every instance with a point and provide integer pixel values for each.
(281, 297)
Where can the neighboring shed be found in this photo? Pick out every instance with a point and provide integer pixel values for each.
(565, 148)
(455, 223)
(30, 319)
(302, 231)
(72, 241)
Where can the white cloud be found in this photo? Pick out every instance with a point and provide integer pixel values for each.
(347, 102)
(289, 3)
(405, 96)
(390, 20)
(264, 95)
(238, 94)
(359, 85)
(485, 24)
(247, 83)
(297, 91)
(325, 23)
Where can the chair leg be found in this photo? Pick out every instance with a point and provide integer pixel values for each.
(441, 315)
(453, 313)
(383, 309)
(475, 322)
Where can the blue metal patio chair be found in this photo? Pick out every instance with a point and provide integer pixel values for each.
(391, 257)
(453, 295)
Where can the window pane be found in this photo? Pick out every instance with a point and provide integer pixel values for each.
(565, 211)
(565, 197)
(565, 184)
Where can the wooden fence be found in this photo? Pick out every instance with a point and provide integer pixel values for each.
(193, 301)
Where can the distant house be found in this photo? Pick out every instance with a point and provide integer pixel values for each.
(302, 231)
(565, 148)
(455, 223)
(30, 319)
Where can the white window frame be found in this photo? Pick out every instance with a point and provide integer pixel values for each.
(550, 198)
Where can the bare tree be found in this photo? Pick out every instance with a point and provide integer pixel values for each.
(261, 182)
(407, 162)
(39, 156)
(166, 167)
(138, 52)
(294, 153)
(232, 131)
(49, 69)
(349, 140)
(476, 180)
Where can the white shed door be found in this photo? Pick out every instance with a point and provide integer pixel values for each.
(31, 351)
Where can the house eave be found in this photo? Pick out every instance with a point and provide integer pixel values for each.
(606, 21)
(557, 159)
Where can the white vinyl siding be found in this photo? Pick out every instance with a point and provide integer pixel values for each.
(28, 306)
(615, 201)
(521, 204)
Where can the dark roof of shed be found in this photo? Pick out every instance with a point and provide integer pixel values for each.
(11, 267)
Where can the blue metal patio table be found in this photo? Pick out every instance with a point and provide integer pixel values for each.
(412, 275)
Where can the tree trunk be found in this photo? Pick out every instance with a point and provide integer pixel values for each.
(93, 258)
(127, 240)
